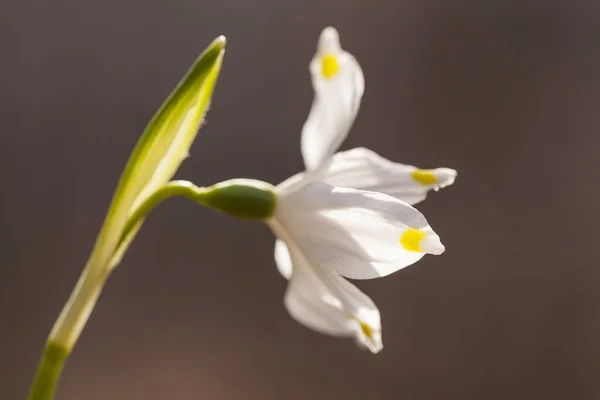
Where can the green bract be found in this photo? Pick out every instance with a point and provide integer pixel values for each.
(161, 149)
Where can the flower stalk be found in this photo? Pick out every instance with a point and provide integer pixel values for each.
(48, 372)
(241, 198)
(155, 159)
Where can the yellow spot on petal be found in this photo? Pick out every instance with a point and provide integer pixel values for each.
(411, 239)
(424, 176)
(329, 65)
(364, 327)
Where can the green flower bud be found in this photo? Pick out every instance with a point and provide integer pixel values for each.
(241, 198)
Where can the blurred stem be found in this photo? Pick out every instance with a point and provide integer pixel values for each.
(48, 372)
(67, 329)
(78, 308)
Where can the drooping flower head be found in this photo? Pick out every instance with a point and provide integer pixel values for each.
(326, 232)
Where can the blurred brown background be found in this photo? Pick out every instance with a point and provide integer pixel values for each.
(506, 92)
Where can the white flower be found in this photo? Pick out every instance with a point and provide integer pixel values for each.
(326, 231)
(348, 215)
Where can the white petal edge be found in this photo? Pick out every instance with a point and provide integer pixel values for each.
(282, 259)
(359, 234)
(335, 104)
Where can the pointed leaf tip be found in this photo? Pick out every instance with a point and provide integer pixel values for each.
(219, 42)
(162, 147)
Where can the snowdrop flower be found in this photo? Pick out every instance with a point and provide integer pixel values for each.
(325, 232)
(350, 214)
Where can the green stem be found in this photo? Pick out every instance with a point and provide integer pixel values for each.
(242, 198)
(85, 295)
(138, 216)
(174, 188)
(48, 372)
(66, 330)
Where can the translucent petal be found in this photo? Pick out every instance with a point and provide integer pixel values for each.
(338, 83)
(322, 300)
(359, 234)
(364, 169)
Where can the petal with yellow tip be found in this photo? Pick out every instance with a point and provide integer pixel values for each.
(364, 169)
(322, 300)
(338, 83)
(354, 232)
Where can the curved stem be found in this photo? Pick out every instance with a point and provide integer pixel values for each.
(242, 198)
(174, 188)
(138, 216)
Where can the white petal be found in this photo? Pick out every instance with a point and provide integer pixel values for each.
(282, 259)
(338, 92)
(364, 169)
(360, 234)
(322, 300)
